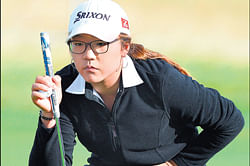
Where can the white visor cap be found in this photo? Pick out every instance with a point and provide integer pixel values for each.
(103, 19)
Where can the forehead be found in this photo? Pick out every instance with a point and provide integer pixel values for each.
(85, 37)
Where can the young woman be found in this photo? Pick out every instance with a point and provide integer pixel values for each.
(126, 104)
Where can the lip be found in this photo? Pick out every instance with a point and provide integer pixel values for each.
(90, 68)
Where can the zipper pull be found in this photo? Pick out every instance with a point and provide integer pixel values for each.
(114, 137)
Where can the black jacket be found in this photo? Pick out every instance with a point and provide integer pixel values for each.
(153, 120)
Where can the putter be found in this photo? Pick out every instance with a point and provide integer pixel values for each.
(45, 43)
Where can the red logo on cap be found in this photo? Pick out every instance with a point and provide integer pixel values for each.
(125, 23)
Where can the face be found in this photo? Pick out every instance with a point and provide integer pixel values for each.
(99, 68)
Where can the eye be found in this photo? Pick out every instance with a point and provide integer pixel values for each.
(76, 43)
(100, 43)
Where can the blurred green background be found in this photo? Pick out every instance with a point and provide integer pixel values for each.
(208, 38)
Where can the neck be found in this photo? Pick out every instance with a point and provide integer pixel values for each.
(108, 91)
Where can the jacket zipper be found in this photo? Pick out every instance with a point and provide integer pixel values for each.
(115, 138)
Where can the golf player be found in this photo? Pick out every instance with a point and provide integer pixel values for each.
(126, 104)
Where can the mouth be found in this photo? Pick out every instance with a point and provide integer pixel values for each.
(90, 68)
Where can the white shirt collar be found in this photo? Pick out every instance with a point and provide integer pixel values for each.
(130, 78)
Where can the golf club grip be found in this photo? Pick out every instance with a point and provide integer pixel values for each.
(45, 43)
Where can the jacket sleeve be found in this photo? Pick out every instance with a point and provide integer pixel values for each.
(194, 104)
(45, 150)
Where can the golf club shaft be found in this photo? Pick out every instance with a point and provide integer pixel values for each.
(49, 72)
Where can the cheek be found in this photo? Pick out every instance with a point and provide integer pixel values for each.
(74, 57)
(79, 62)
(113, 58)
(75, 60)
(110, 64)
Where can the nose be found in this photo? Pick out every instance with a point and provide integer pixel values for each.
(89, 54)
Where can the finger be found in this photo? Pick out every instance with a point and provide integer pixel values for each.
(39, 86)
(46, 94)
(46, 80)
(36, 95)
(38, 100)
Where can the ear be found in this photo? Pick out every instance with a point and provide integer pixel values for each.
(125, 48)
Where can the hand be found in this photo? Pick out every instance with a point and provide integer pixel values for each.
(44, 83)
(168, 163)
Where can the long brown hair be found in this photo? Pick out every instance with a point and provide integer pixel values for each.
(138, 51)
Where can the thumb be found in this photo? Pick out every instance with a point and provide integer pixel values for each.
(57, 80)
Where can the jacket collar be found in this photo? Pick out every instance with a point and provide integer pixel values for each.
(130, 78)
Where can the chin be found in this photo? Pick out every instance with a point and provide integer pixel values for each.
(91, 77)
(92, 80)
